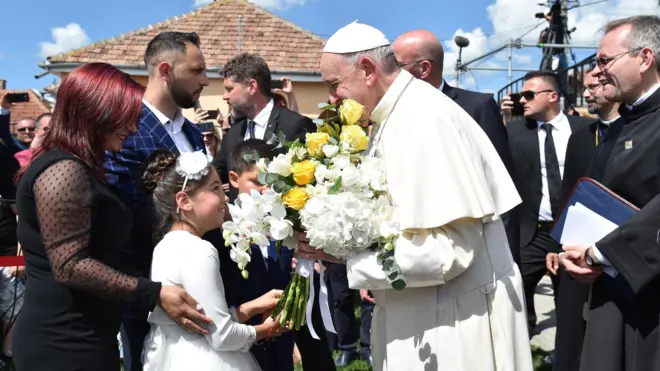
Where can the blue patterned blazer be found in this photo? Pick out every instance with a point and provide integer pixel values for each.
(124, 171)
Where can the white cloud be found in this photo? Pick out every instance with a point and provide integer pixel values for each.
(589, 20)
(65, 38)
(270, 4)
(512, 18)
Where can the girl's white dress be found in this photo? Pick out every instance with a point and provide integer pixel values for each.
(187, 261)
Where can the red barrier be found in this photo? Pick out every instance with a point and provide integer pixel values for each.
(12, 261)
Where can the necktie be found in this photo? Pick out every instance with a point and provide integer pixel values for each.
(552, 169)
(250, 128)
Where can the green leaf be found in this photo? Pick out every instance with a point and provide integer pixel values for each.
(296, 144)
(336, 187)
(282, 138)
(281, 186)
(333, 141)
(399, 284)
(262, 178)
(272, 140)
(387, 264)
(271, 178)
(318, 122)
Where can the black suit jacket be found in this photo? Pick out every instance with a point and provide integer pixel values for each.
(484, 111)
(524, 144)
(292, 124)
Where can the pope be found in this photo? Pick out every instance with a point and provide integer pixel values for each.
(463, 306)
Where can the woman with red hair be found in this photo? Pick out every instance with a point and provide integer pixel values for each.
(71, 228)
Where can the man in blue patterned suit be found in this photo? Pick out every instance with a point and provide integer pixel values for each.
(177, 76)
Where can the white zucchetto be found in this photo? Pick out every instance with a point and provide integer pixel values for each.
(355, 37)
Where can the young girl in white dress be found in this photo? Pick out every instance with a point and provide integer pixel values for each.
(188, 202)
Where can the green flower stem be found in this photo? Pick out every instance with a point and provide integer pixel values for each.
(289, 302)
(303, 303)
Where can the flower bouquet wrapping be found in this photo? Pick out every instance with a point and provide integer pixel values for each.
(328, 188)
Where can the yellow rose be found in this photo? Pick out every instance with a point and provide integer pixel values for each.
(315, 143)
(350, 112)
(303, 172)
(355, 137)
(295, 198)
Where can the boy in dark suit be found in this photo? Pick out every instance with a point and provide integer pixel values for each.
(267, 270)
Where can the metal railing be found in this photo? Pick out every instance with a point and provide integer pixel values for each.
(571, 88)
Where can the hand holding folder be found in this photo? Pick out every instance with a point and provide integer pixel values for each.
(591, 213)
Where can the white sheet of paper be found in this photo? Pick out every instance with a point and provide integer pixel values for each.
(585, 227)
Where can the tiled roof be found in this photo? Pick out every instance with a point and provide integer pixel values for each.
(284, 46)
(27, 110)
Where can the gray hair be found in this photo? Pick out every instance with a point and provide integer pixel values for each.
(382, 55)
(644, 33)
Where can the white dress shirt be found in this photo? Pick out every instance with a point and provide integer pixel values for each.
(561, 131)
(173, 128)
(261, 121)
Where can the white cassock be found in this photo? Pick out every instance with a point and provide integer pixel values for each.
(463, 308)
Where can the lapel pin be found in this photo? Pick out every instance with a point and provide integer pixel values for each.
(628, 144)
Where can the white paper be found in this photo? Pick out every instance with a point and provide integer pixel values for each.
(585, 227)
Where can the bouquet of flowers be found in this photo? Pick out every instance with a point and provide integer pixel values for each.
(328, 188)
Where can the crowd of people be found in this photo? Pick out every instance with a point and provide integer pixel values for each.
(117, 200)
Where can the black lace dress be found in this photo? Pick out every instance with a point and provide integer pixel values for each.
(71, 227)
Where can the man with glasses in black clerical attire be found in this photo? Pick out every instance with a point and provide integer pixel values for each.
(623, 331)
(538, 146)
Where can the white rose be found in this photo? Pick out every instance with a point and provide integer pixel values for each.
(330, 150)
(280, 165)
(341, 161)
(350, 176)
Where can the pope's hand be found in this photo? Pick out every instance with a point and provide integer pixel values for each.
(573, 261)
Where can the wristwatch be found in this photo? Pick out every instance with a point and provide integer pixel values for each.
(590, 261)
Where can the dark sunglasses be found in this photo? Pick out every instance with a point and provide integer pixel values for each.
(530, 94)
(208, 135)
(603, 62)
(26, 129)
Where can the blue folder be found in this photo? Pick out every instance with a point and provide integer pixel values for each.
(598, 199)
(610, 206)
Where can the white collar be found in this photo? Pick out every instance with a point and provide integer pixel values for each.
(560, 122)
(609, 121)
(177, 123)
(644, 97)
(442, 86)
(386, 103)
(261, 119)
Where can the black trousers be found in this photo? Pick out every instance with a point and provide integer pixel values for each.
(533, 268)
(570, 307)
(344, 311)
(315, 354)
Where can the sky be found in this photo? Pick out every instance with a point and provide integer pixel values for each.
(34, 29)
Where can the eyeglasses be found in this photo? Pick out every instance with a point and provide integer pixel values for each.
(208, 136)
(530, 94)
(401, 64)
(603, 62)
(26, 129)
